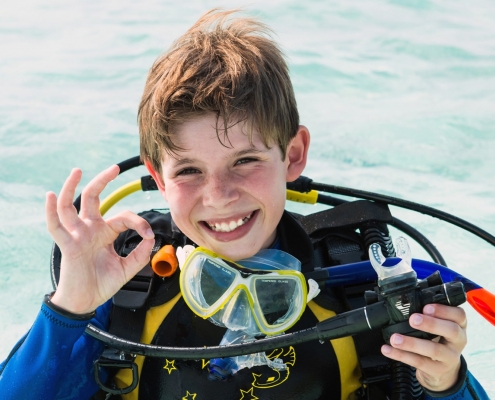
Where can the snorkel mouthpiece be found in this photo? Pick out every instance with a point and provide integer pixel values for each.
(394, 273)
(398, 295)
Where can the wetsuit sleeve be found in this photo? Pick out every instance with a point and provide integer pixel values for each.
(54, 360)
(467, 387)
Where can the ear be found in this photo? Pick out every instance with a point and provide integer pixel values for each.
(156, 177)
(297, 153)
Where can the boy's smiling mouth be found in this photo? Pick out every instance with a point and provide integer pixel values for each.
(226, 225)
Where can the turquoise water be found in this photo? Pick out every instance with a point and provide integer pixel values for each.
(398, 95)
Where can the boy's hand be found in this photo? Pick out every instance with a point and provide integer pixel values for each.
(91, 272)
(437, 363)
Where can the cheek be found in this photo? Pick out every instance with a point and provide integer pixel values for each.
(180, 199)
(171, 195)
(269, 189)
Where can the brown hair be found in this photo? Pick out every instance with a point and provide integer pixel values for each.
(228, 66)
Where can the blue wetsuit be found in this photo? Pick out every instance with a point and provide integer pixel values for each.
(54, 360)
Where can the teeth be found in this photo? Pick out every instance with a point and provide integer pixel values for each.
(228, 227)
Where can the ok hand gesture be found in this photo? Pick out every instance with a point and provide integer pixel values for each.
(91, 272)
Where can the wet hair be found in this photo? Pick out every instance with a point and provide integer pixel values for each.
(225, 65)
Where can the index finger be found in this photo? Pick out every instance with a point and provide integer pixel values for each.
(65, 208)
(447, 313)
(450, 327)
(128, 220)
(90, 197)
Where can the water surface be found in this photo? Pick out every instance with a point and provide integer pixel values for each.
(398, 96)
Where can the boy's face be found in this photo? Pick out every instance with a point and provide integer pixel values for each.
(228, 198)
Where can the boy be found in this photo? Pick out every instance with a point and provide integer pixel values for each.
(220, 135)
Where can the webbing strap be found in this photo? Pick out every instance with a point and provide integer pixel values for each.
(154, 318)
(346, 355)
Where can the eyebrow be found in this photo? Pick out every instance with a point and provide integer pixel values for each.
(183, 161)
(240, 153)
(251, 150)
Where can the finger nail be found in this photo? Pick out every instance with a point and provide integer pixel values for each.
(397, 339)
(416, 319)
(429, 309)
(150, 233)
(386, 349)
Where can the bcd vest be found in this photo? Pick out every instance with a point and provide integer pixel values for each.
(150, 309)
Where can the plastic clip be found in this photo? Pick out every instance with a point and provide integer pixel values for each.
(113, 359)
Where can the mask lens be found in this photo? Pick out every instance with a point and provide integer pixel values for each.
(275, 297)
(215, 279)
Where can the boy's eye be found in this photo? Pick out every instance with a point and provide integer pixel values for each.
(187, 171)
(245, 160)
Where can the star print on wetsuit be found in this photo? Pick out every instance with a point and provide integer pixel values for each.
(249, 393)
(189, 396)
(170, 366)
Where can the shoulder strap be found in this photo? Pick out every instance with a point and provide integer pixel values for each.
(134, 299)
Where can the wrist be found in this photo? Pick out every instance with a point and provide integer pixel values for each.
(64, 312)
(461, 380)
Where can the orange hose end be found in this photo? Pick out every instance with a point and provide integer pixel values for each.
(484, 302)
(164, 262)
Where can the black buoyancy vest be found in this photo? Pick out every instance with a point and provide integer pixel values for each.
(312, 373)
(321, 239)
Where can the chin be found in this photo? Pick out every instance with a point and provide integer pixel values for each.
(236, 252)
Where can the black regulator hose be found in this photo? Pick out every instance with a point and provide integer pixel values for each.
(197, 353)
(416, 235)
(370, 317)
(304, 184)
(362, 194)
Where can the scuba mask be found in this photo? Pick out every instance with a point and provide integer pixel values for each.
(265, 294)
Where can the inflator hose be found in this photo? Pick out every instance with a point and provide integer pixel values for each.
(197, 353)
(405, 383)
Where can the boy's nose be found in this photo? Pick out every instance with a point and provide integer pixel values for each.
(219, 191)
